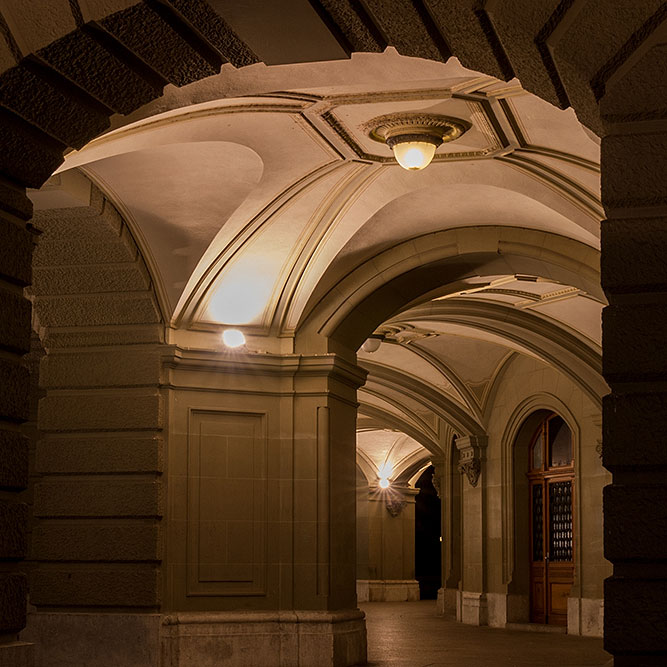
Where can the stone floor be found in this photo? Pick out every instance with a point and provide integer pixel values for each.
(411, 634)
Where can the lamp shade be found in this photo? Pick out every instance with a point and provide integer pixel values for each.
(414, 155)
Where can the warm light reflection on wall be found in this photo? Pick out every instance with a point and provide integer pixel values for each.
(242, 294)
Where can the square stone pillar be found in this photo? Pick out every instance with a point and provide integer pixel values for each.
(260, 555)
(448, 488)
(473, 527)
(634, 276)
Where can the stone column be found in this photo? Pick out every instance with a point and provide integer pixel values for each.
(442, 486)
(634, 276)
(391, 562)
(471, 458)
(16, 247)
(261, 551)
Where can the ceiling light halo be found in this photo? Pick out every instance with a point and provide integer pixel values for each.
(414, 138)
(233, 338)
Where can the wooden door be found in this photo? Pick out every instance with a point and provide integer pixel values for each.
(551, 497)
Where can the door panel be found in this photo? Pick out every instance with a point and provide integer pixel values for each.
(551, 491)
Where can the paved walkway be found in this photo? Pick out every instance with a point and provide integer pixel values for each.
(411, 634)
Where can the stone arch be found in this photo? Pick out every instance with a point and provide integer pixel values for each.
(578, 360)
(195, 41)
(89, 273)
(414, 272)
(602, 61)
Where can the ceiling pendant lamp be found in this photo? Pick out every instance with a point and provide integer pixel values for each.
(414, 138)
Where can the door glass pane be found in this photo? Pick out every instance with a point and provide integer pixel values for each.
(538, 446)
(537, 504)
(560, 442)
(560, 521)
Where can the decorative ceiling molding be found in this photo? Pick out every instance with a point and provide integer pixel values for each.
(448, 373)
(398, 421)
(480, 110)
(568, 261)
(575, 356)
(383, 380)
(397, 403)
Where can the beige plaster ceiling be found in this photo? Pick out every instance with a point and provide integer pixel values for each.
(257, 196)
(383, 453)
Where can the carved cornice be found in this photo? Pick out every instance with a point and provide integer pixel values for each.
(383, 128)
(471, 452)
(278, 365)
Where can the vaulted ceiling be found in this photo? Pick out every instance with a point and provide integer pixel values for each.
(259, 200)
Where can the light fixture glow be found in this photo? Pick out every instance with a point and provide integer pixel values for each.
(384, 483)
(415, 137)
(386, 470)
(414, 155)
(233, 338)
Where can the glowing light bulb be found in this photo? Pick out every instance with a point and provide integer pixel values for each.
(233, 338)
(414, 155)
(384, 483)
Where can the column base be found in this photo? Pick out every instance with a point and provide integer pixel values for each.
(392, 590)
(17, 654)
(506, 608)
(63, 639)
(585, 616)
(447, 601)
(208, 639)
(270, 639)
(474, 609)
(363, 593)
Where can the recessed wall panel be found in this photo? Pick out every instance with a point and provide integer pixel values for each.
(227, 503)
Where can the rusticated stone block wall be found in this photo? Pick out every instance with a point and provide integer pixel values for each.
(98, 501)
(16, 247)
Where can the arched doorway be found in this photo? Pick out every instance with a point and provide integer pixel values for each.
(551, 492)
(427, 537)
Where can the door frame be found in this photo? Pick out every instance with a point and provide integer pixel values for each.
(548, 571)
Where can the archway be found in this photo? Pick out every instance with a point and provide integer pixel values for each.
(564, 65)
(428, 538)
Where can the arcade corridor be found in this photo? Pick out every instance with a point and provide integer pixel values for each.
(410, 634)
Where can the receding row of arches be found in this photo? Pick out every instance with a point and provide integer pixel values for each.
(543, 540)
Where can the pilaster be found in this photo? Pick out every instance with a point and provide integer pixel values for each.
(473, 581)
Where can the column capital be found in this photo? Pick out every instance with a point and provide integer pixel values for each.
(471, 452)
(438, 463)
(265, 364)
